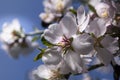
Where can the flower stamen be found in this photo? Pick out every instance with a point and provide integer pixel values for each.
(59, 6)
(65, 42)
(104, 13)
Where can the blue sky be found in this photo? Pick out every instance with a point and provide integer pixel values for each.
(27, 12)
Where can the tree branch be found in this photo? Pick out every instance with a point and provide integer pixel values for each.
(35, 33)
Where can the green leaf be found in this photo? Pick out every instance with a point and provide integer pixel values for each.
(73, 11)
(46, 43)
(35, 38)
(39, 56)
(92, 8)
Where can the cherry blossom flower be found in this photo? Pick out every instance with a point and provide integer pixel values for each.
(47, 17)
(98, 27)
(11, 31)
(50, 72)
(14, 40)
(106, 48)
(61, 35)
(54, 9)
(57, 6)
(24, 47)
(105, 10)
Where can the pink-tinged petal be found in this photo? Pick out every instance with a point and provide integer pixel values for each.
(51, 56)
(74, 61)
(83, 44)
(104, 55)
(68, 25)
(110, 43)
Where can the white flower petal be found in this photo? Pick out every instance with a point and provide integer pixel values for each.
(53, 34)
(94, 2)
(47, 17)
(83, 44)
(42, 72)
(104, 55)
(68, 25)
(105, 10)
(63, 67)
(110, 43)
(51, 56)
(31, 46)
(97, 27)
(56, 29)
(8, 29)
(81, 15)
(74, 61)
(83, 26)
(57, 7)
(102, 8)
(13, 52)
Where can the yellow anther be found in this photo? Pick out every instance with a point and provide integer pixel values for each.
(61, 44)
(46, 16)
(104, 14)
(59, 6)
(55, 75)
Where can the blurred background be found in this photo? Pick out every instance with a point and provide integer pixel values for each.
(26, 11)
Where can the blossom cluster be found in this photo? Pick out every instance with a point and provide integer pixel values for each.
(79, 36)
(73, 39)
(54, 10)
(14, 40)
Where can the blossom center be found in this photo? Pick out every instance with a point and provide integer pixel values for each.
(104, 13)
(45, 16)
(16, 34)
(55, 75)
(65, 42)
(59, 6)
